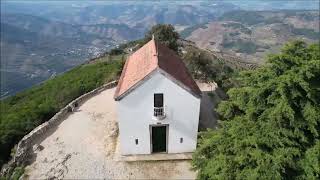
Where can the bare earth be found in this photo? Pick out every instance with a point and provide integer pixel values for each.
(84, 147)
(210, 37)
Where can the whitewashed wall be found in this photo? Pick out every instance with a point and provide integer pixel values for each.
(135, 112)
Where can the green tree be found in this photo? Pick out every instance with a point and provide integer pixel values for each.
(166, 34)
(270, 124)
(310, 164)
(207, 67)
(200, 64)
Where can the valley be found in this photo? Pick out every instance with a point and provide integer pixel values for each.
(38, 43)
(34, 49)
(251, 35)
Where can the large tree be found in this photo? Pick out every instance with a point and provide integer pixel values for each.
(165, 33)
(206, 67)
(270, 124)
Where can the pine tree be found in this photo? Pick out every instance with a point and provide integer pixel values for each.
(270, 124)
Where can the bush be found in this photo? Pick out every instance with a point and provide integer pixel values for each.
(15, 175)
(204, 66)
(116, 51)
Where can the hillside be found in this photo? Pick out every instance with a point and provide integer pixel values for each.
(141, 15)
(252, 35)
(58, 29)
(34, 49)
(26, 110)
(50, 38)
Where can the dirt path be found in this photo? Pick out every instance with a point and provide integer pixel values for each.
(83, 147)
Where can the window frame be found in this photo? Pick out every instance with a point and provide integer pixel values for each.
(156, 101)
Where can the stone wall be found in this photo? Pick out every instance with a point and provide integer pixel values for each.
(25, 145)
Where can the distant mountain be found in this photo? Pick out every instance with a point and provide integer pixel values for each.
(34, 48)
(251, 35)
(44, 27)
(42, 39)
(263, 5)
(117, 32)
(140, 15)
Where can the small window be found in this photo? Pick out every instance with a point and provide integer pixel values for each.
(158, 100)
(181, 140)
(137, 141)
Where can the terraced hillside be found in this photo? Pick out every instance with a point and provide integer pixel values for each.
(252, 35)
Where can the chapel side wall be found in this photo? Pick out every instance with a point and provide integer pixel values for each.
(135, 113)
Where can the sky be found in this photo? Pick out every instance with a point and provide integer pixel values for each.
(244, 4)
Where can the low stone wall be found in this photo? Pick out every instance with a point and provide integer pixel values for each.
(26, 144)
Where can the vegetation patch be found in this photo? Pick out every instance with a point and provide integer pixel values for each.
(307, 15)
(309, 33)
(241, 46)
(204, 66)
(164, 33)
(139, 42)
(187, 31)
(239, 26)
(273, 20)
(15, 175)
(243, 17)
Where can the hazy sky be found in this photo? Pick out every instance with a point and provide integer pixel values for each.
(244, 4)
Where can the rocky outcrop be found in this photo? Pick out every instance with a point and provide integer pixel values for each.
(28, 142)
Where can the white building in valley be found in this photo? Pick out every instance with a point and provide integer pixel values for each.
(158, 103)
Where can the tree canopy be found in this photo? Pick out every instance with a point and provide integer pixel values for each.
(270, 125)
(166, 34)
(205, 66)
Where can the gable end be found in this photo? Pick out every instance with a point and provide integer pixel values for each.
(174, 80)
(139, 83)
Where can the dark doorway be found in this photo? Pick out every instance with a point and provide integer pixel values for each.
(158, 100)
(159, 138)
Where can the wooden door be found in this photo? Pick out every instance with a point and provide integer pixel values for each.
(159, 139)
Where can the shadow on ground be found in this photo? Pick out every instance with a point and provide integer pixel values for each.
(211, 96)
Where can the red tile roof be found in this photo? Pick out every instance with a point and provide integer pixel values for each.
(149, 58)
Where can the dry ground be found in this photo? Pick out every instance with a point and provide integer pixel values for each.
(210, 37)
(83, 147)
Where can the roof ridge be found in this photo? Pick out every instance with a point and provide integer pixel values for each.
(152, 56)
(155, 46)
(156, 50)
